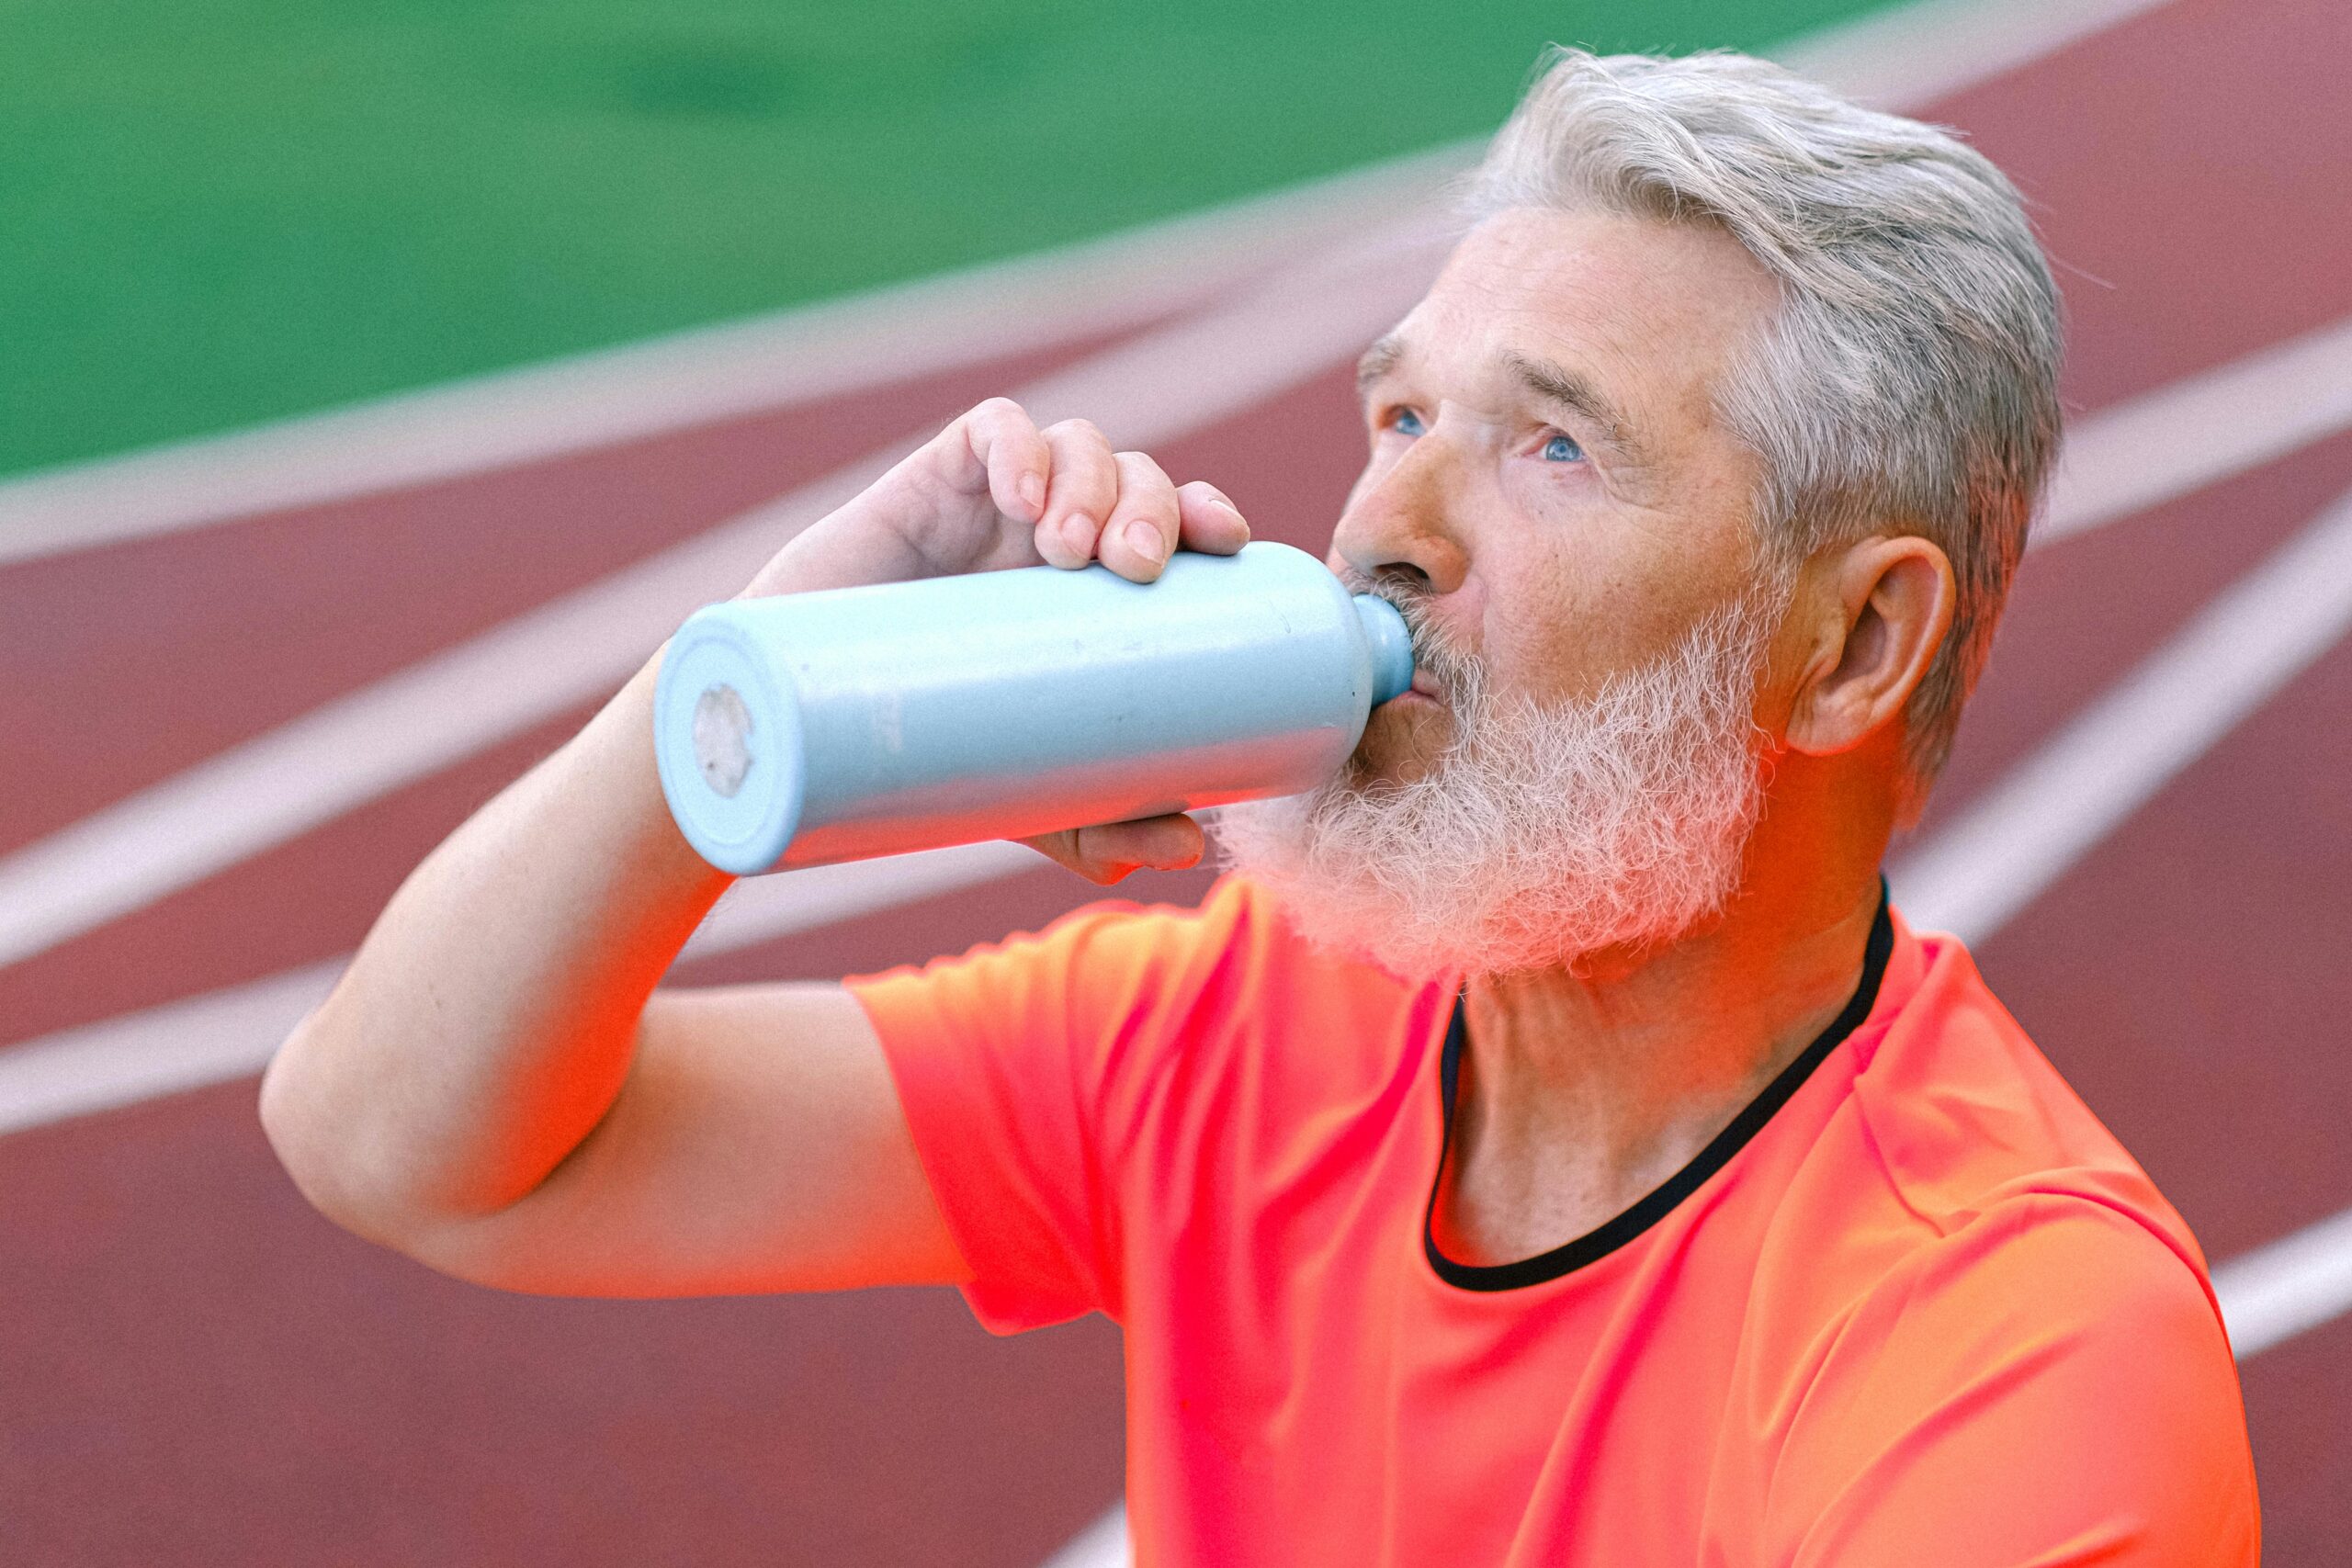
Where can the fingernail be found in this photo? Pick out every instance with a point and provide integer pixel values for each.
(1144, 540)
(1077, 533)
(1033, 491)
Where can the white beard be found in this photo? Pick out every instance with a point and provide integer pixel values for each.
(1541, 834)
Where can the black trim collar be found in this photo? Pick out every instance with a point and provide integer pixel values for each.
(1608, 1237)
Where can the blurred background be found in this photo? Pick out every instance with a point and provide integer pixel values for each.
(379, 385)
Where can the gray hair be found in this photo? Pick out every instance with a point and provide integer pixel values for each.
(1908, 380)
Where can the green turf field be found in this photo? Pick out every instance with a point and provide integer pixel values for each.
(217, 212)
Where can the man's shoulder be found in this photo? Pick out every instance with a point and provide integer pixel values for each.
(1220, 1029)
(1163, 999)
(1981, 1256)
(1963, 1113)
(1229, 979)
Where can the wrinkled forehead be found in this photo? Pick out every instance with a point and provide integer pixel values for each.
(1655, 310)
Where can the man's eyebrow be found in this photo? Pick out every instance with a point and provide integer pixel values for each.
(1379, 359)
(1571, 390)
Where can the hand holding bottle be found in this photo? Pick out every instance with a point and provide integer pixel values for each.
(993, 491)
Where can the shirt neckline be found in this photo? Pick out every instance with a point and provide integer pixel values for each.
(1647, 1211)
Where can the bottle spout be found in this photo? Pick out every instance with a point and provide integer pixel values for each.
(1391, 645)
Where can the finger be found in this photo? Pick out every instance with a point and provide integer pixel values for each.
(1208, 521)
(1062, 850)
(1079, 493)
(1013, 452)
(1161, 843)
(1105, 853)
(1141, 530)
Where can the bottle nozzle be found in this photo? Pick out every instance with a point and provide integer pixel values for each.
(1391, 645)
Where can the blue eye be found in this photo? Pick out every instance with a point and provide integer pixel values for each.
(1560, 449)
(1405, 421)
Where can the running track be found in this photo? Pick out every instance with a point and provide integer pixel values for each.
(197, 1370)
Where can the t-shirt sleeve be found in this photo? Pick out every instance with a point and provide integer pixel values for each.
(2048, 1385)
(1008, 1061)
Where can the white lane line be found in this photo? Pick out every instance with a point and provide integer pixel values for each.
(163, 1050)
(670, 383)
(2205, 427)
(1909, 56)
(1102, 1544)
(2297, 1283)
(577, 647)
(2018, 837)
(230, 1034)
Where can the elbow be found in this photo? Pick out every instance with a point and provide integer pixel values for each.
(351, 1169)
(286, 1119)
(281, 1101)
(320, 1151)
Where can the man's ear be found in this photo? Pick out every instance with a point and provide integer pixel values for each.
(1882, 606)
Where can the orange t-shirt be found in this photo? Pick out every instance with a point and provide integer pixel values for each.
(1915, 1307)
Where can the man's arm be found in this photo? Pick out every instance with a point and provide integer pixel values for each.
(496, 1088)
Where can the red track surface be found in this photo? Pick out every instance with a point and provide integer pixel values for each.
(196, 1368)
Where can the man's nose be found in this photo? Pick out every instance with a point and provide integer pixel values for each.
(1401, 520)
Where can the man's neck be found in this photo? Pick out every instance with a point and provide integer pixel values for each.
(1580, 1092)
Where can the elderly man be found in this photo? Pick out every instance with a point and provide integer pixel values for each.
(1547, 1144)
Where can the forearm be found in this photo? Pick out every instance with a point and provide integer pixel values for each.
(489, 1019)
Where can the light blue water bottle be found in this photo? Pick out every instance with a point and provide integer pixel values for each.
(811, 727)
